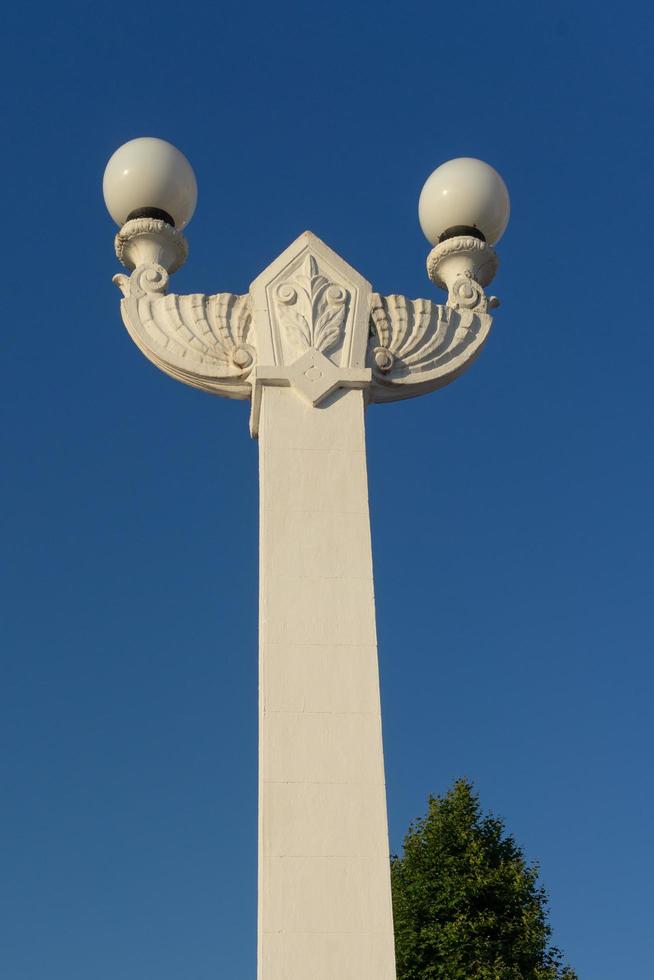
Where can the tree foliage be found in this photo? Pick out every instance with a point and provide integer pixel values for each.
(466, 904)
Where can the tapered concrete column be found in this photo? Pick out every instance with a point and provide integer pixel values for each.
(324, 889)
(307, 345)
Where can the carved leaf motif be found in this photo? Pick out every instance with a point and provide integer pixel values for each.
(295, 324)
(328, 327)
(311, 308)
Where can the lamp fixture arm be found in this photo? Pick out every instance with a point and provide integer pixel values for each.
(309, 320)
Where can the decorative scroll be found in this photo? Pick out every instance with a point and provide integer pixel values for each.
(417, 346)
(201, 340)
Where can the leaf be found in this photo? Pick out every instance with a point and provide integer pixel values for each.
(328, 328)
(310, 267)
(296, 326)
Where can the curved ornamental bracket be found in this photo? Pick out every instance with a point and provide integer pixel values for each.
(309, 321)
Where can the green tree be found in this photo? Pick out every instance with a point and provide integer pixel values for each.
(466, 904)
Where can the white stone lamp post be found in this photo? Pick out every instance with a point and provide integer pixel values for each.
(311, 345)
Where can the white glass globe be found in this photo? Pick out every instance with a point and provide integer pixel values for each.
(464, 193)
(150, 174)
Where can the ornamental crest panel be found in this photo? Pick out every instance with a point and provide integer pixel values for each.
(309, 299)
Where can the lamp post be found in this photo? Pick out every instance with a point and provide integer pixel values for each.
(311, 345)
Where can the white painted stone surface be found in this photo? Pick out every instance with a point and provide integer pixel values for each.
(310, 344)
(325, 901)
(309, 322)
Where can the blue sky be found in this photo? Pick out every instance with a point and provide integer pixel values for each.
(511, 512)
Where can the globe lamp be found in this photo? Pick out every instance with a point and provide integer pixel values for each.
(464, 197)
(150, 178)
